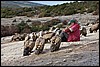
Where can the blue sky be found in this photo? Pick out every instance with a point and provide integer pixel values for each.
(51, 2)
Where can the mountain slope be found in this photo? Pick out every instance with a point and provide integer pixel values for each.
(17, 4)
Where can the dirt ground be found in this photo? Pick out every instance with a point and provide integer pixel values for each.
(81, 53)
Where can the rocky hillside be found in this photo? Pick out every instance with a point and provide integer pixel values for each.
(51, 11)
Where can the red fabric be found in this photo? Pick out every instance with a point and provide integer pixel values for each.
(75, 35)
(67, 30)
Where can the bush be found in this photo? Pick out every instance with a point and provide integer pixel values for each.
(34, 23)
(90, 10)
(37, 28)
(34, 28)
(55, 21)
(60, 26)
(28, 20)
(44, 28)
(22, 25)
(26, 30)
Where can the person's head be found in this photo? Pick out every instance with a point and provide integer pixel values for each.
(72, 21)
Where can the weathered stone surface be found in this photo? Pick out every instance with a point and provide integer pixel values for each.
(9, 30)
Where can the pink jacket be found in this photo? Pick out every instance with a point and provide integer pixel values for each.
(75, 34)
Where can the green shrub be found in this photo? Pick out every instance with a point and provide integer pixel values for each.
(34, 28)
(44, 28)
(59, 26)
(22, 25)
(39, 28)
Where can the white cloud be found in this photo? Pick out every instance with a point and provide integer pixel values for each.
(51, 2)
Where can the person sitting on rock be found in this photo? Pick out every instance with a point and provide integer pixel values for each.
(72, 32)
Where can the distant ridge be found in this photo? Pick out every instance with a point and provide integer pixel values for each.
(18, 4)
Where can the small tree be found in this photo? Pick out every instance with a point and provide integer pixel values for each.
(34, 28)
(60, 26)
(22, 25)
(44, 28)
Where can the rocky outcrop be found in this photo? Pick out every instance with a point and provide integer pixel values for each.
(9, 30)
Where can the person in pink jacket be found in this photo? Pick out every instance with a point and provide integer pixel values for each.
(72, 32)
